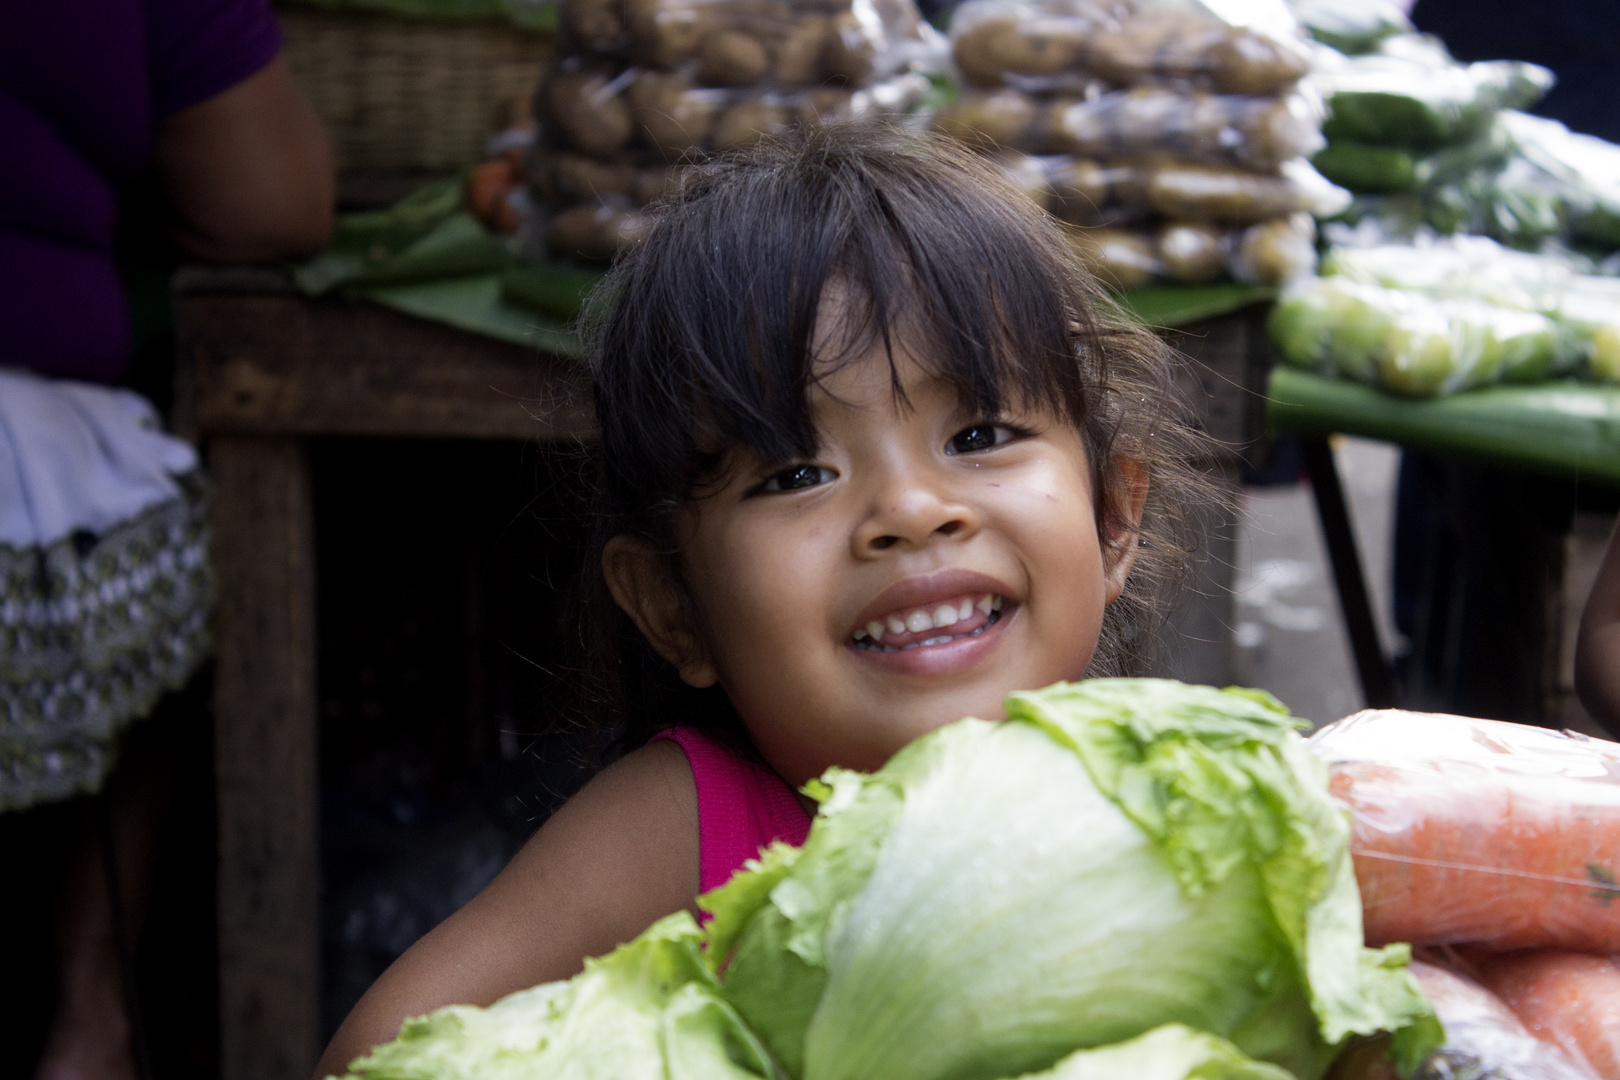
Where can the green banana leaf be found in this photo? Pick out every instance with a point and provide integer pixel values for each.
(1562, 428)
(527, 14)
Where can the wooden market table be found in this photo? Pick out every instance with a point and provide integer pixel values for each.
(264, 370)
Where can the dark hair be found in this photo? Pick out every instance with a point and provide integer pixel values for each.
(701, 340)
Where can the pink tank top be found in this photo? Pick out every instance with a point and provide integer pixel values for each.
(742, 806)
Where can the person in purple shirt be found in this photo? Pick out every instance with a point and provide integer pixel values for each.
(105, 591)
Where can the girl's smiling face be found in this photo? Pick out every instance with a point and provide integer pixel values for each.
(921, 566)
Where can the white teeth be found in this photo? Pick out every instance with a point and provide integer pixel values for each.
(966, 611)
(875, 629)
(945, 615)
(984, 603)
(918, 621)
(995, 605)
(859, 635)
(895, 626)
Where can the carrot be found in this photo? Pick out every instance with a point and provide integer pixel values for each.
(1569, 999)
(1479, 831)
(1483, 1038)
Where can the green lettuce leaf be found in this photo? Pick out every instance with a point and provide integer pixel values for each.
(1171, 1052)
(647, 1011)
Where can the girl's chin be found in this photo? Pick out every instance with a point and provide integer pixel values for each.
(947, 658)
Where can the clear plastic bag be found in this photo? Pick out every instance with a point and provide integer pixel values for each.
(639, 117)
(1468, 830)
(1485, 1040)
(1351, 26)
(1189, 252)
(778, 43)
(1569, 999)
(1082, 45)
(1257, 133)
(1086, 192)
(1414, 95)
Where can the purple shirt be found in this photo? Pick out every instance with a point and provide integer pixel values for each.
(81, 84)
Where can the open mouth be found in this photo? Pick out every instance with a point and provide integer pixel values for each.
(934, 624)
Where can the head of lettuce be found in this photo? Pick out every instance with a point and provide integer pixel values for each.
(1128, 877)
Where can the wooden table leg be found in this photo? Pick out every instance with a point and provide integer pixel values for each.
(265, 758)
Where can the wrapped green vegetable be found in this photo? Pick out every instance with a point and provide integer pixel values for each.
(1126, 878)
(1416, 344)
(1362, 167)
(1351, 26)
(1387, 100)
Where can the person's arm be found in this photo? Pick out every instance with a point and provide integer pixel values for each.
(617, 857)
(249, 171)
(1597, 649)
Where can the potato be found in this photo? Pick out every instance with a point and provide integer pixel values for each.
(988, 120)
(1080, 192)
(674, 115)
(595, 25)
(1191, 253)
(822, 105)
(1032, 47)
(1244, 62)
(848, 51)
(650, 185)
(666, 34)
(487, 185)
(587, 112)
(1028, 175)
(1276, 252)
(1212, 193)
(566, 178)
(745, 123)
(1045, 134)
(798, 52)
(595, 233)
(732, 58)
(1279, 130)
(1120, 258)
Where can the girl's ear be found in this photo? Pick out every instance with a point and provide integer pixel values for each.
(642, 588)
(1130, 489)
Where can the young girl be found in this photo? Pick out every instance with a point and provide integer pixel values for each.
(874, 453)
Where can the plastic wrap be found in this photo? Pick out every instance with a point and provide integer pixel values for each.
(1082, 191)
(1485, 1040)
(1420, 100)
(638, 116)
(1270, 253)
(1363, 167)
(778, 43)
(1351, 26)
(1469, 830)
(1081, 45)
(1569, 999)
(1257, 133)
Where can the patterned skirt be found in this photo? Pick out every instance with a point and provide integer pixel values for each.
(105, 585)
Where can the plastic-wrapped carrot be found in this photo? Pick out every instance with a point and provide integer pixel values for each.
(1567, 998)
(1483, 1039)
(1480, 831)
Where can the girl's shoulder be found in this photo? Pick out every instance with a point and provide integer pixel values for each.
(742, 804)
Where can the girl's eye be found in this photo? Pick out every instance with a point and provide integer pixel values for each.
(797, 478)
(978, 437)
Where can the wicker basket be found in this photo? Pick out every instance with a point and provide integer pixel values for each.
(409, 95)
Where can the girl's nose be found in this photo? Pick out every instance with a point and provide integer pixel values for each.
(911, 512)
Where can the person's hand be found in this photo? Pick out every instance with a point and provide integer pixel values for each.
(1597, 650)
(249, 172)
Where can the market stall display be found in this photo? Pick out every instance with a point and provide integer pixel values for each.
(641, 89)
(1174, 143)
(1449, 315)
